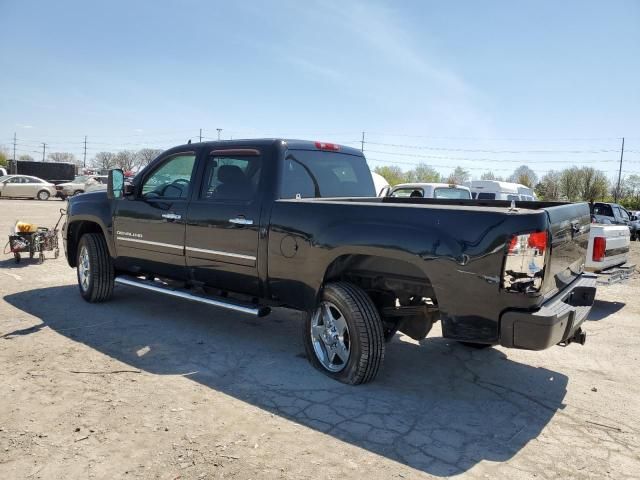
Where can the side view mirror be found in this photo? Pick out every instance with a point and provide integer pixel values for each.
(115, 184)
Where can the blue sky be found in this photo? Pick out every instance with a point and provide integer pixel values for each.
(485, 85)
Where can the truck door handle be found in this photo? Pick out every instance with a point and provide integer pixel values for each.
(171, 216)
(241, 221)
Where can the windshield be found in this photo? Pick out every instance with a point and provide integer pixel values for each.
(80, 179)
(408, 192)
(4, 177)
(312, 174)
(451, 192)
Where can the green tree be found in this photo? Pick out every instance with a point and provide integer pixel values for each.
(25, 158)
(3, 159)
(549, 186)
(458, 176)
(570, 183)
(594, 184)
(104, 160)
(423, 174)
(394, 175)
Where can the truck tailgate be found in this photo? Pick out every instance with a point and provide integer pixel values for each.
(569, 229)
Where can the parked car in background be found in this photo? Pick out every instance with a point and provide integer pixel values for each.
(526, 193)
(493, 190)
(614, 214)
(74, 187)
(96, 182)
(22, 186)
(431, 190)
(608, 253)
(3, 172)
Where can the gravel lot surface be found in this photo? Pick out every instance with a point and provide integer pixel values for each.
(150, 387)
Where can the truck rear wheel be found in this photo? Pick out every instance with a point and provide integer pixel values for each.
(94, 268)
(343, 336)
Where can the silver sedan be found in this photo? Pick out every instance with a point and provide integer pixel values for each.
(23, 186)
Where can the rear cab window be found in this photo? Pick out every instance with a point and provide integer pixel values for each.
(408, 192)
(486, 196)
(312, 174)
(451, 192)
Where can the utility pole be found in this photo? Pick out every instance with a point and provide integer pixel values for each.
(615, 197)
(44, 149)
(362, 143)
(14, 146)
(84, 157)
(219, 130)
(201, 135)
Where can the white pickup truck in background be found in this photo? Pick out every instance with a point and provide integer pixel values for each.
(608, 253)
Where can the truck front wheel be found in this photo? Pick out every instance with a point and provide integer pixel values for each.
(343, 336)
(95, 269)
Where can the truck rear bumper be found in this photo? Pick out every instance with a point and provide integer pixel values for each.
(554, 322)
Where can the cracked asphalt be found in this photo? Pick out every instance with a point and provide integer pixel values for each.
(150, 387)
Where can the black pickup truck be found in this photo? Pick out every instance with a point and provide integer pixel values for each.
(252, 224)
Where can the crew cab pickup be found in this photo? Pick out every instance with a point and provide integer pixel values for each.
(247, 225)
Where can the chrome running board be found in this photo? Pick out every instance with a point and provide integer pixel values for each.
(129, 281)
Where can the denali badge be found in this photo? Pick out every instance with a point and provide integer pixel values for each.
(129, 234)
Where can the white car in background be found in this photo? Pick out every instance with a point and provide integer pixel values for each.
(431, 190)
(380, 184)
(496, 190)
(96, 182)
(79, 185)
(24, 186)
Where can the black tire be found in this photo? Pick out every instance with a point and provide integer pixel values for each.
(477, 346)
(43, 195)
(99, 280)
(366, 337)
(77, 192)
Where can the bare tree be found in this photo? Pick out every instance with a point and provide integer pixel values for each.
(126, 160)
(25, 158)
(458, 176)
(146, 155)
(62, 157)
(104, 160)
(525, 176)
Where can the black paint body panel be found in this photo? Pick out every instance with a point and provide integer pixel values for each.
(458, 246)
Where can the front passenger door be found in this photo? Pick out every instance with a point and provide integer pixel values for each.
(149, 227)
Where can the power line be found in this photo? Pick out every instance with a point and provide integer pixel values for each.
(615, 197)
(477, 150)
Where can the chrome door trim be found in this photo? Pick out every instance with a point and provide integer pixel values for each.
(224, 254)
(148, 242)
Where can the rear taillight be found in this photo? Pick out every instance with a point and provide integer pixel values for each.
(327, 146)
(599, 249)
(525, 261)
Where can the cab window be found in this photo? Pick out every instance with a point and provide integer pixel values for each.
(455, 193)
(232, 177)
(408, 192)
(172, 179)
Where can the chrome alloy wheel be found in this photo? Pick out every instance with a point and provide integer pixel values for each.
(84, 269)
(330, 337)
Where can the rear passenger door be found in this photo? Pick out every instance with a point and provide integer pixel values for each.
(224, 222)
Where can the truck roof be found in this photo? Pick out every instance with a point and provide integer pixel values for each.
(294, 144)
